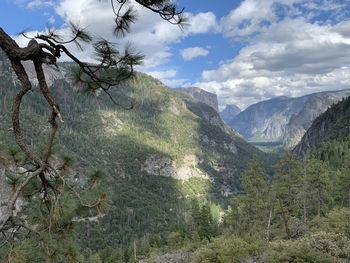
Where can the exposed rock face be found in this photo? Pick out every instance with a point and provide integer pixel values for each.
(164, 166)
(51, 73)
(207, 113)
(332, 124)
(316, 134)
(176, 106)
(111, 122)
(284, 119)
(203, 96)
(258, 119)
(230, 112)
(313, 107)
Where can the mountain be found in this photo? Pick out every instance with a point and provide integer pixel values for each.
(334, 124)
(282, 119)
(229, 112)
(203, 96)
(167, 151)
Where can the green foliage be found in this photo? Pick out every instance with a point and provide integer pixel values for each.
(318, 247)
(336, 221)
(155, 215)
(95, 259)
(49, 223)
(249, 212)
(203, 220)
(97, 133)
(228, 249)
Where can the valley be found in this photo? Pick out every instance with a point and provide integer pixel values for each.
(282, 121)
(141, 131)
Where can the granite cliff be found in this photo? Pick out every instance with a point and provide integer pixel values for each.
(229, 112)
(334, 124)
(203, 96)
(283, 119)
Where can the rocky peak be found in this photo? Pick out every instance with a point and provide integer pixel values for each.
(202, 96)
(229, 112)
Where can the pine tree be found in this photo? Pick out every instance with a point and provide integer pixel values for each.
(43, 232)
(319, 185)
(286, 187)
(250, 211)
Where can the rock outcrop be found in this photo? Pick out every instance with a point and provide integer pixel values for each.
(203, 96)
(164, 166)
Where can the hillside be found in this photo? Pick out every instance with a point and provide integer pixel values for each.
(159, 156)
(283, 120)
(334, 124)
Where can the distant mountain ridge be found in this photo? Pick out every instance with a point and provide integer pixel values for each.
(284, 119)
(203, 96)
(229, 112)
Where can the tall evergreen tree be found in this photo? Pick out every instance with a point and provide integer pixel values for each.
(286, 186)
(250, 211)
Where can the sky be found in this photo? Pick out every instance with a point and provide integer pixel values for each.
(245, 51)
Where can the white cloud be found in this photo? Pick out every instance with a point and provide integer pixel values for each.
(193, 52)
(51, 20)
(343, 28)
(163, 74)
(248, 18)
(202, 23)
(292, 57)
(150, 34)
(39, 4)
(256, 16)
(168, 77)
(175, 83)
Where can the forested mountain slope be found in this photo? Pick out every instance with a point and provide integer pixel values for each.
(333, 125)
(158, 156)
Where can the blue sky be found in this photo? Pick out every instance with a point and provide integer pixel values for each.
(244, 51)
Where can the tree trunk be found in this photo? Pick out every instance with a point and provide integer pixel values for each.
(305, 210)
(285, 220)
(135, 256)
(269, 225)
(318, 207)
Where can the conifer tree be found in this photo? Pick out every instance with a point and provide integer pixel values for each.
(287, 183)
(250, 211)
(319, 185)
(43, 232)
